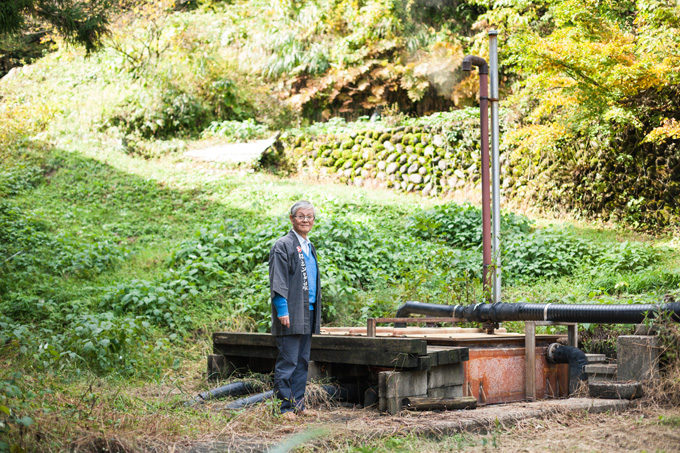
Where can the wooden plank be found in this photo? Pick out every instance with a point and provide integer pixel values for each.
(425, 362)
(390, 360)
(244, 338)
(329, 342)
(446, 355)
(530, 360)
(396, 345)
(439, 404)
(356, 357)
(263, 352)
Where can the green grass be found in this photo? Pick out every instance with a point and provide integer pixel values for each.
(150, 209)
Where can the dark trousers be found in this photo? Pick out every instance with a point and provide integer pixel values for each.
(290, 372)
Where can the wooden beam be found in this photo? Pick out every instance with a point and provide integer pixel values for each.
(396, 345)
(377, 358)
(530, 359)
(244, 338)
(439, 404)
(329, 342)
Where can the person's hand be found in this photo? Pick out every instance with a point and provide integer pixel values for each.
(285, 321)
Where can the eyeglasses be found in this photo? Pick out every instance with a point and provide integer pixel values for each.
(308, 218)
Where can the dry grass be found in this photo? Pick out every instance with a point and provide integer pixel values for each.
(665, 391)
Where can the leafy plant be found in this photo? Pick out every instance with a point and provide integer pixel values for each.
(162, 113)
(237, 131)
(461, 225)
(11, 396)
(628, 257)
(545, 253)
(160, 303)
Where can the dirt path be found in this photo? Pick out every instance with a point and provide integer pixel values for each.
(520, 427)
(232, 152)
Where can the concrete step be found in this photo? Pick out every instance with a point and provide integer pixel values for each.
(615, 390)
(596, 358)
(601, 372)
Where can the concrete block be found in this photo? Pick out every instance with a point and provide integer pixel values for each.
(394, 386)
(316, 372)
(405, 383)
(445, 375)
(596, 358)
(615, 390)
(453, 391)
(600, 372)
(382, 391)
(637, 357)
(216, 366)
(394, 405)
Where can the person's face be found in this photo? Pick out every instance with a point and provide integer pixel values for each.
(303, 221)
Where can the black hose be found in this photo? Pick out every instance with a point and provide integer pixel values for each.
(499, 312)
(334, 391)
(576, 359)
(233, 389)
(422, 308)
(250, 400)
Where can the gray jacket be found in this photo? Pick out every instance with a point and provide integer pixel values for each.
(286, 278)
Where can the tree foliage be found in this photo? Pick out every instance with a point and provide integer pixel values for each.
(78, 22)
(598, 99)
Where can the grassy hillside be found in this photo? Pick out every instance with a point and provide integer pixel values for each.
(119, 255)
(117, 268)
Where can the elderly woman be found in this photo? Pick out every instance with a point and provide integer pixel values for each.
(295, 286)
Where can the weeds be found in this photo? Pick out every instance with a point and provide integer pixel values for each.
(666, 389)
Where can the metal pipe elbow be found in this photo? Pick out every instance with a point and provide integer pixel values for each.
(473, 60)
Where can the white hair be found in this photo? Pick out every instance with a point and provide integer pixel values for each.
(302, 204)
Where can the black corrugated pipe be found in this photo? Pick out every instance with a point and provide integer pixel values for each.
(233, 389)
(500, 312)
(250, 400)
(334, 391)
(412, 307)
(576, 359)
(422, 308)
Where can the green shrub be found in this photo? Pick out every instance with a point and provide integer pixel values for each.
(18, 178)
(237, 131)
(461, 225)
(12, 398)
(104, 342)
(160, 303)
(349, 253)
(627, 257)
(546, 253)
(251, 297)
(86, 259)
(99, 342)
(636, 282)
(164, 113)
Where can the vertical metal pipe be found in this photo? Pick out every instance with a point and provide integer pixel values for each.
(466, 65)
(486, 186)
(496, 165)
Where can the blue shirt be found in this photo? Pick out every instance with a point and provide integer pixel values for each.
(280, 302)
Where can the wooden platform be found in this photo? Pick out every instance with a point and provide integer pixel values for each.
(398, 363)
(396, 353)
